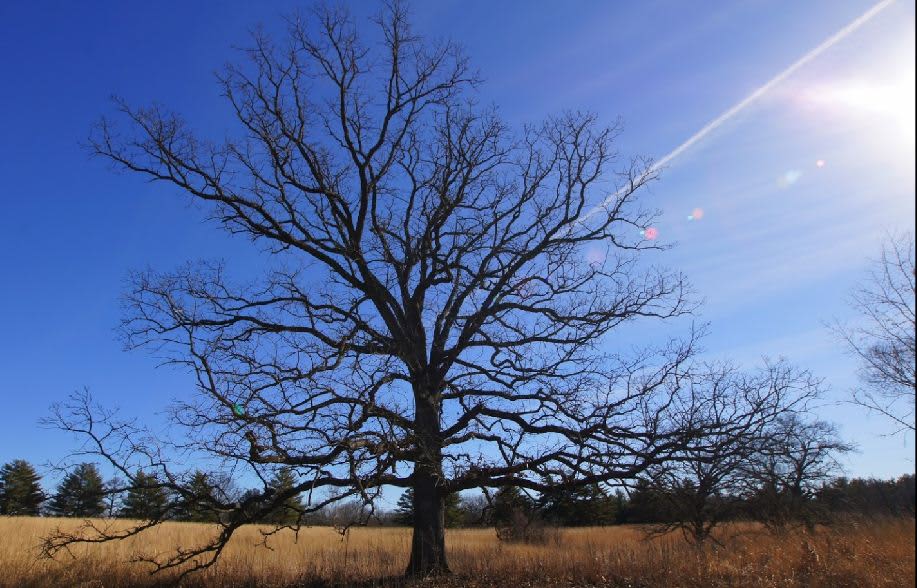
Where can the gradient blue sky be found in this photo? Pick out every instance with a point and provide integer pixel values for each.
(781, 242)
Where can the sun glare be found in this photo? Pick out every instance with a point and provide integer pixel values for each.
(887, 102)
(892, 100)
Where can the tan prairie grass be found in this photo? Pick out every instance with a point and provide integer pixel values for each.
(878, 553)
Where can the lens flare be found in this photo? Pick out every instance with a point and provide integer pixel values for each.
(789, 178)
(650, 233)
(595, 256)
(697, 213)
(820, 163)
(752, 98)
(884, 100)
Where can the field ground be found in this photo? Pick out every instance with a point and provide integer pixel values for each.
(869, 554)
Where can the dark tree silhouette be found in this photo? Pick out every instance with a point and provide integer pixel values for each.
(291, 509)
(199, 501)
(514, 515)
(884, 337)
(287, 513)
(784, 474)
(80, 494)
(146, 498)
(439, 291)
(703, 486)
(20, 489)
(577, 506)
(645, 503)
(404, 510)
(509, 501)
(870, 497)
(453, 514)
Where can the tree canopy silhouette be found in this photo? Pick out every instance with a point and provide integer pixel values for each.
(145, 498)
(705, 483)
(20, 489)
(440, 290)
(884, 339)
(80, 494)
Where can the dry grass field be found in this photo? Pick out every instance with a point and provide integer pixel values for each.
(874, 554)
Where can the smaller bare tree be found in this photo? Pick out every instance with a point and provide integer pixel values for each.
(701, 487)
(784, 474)
(884, 339)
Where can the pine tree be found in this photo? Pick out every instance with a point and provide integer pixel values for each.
(621, 505)
(253, 501)
(197, 504)
(452, 513)
(146, 498)
(288, 512)
(645, 504)
(80, 494)
(509, 502)
(404, 510)
(514, 517)
(576, 507)
(20, 489)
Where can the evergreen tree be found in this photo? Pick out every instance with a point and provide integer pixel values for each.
(509, 502)
(515, 518)
(577, 507)
(404, 510)
(452, 513)
(146, 498)
(869, 497)
(20, 489)
(621, 505)
(646, 505)
(80, 494)
(253, 501)
(197, 503)
(291, 508)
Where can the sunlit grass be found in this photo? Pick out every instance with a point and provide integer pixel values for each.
(873, 554)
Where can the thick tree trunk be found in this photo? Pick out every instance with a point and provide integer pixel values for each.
(428, 546)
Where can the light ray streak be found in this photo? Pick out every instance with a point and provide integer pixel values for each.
(751, 98)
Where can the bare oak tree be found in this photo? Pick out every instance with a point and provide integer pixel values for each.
(784, 473)
(440, 290)
(704, 484)
(884, 338)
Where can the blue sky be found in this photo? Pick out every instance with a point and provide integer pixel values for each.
(781, 241)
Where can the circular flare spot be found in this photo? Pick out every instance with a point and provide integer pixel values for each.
(595, 256)
(789, 178)
(651, 233)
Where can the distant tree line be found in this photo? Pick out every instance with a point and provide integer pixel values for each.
(782, 496)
